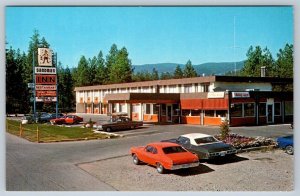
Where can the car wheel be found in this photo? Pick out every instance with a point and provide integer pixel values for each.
(135, 159)
(160, 169)
(108, 129)
(289, 150)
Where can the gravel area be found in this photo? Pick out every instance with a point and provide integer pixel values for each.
(252, 171)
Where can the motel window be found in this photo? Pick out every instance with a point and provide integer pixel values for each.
(196, 88)
(186, 112)
(176, 109)
(195, 112)
(187, 88)
(205, 87)
(262, 109)
(163, 109)
(237, 110)
(249, 109)
(277, 109)
(172, 89)
(210, 113)
(221, 113)
(288, 108)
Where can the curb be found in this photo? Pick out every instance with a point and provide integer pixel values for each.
(257, 148)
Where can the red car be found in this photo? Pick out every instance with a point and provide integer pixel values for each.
(68, 119)
(164, 156)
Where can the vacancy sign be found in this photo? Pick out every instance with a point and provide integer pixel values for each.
(44, 57)
(45, 99)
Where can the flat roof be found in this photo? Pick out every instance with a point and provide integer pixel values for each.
(206, 79)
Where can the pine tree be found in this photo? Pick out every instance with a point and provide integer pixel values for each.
(101, 70)
(178, 72)
(189, 70)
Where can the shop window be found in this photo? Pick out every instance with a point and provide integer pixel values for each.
(236, 110)
(186, 112)
(195, 112)
(210, 113)
(163, 109)
(288, 108)
(122, 108)
(176, 110)
(277, 108)
(147, 108)
(155, 108)
(221, 113)
(249, 109)
(135, 108)
(262, 109)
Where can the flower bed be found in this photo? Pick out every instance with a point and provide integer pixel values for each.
(241, 142)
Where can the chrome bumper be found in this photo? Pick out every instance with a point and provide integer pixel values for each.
(182, 166)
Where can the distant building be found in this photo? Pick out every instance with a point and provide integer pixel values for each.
(201, 100)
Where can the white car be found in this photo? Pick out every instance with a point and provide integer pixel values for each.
(205, 146)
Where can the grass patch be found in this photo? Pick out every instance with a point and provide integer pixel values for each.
(48, 133)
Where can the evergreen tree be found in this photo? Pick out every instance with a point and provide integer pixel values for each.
(82, 77)
(155, 75)
(92, 70)
(189, 70)
(166, 76)
(101, 70)
(111, 59)
(284, 64)
(178, 72)
(121, 70)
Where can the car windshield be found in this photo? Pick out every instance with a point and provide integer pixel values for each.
(205, 140)
(173, 149)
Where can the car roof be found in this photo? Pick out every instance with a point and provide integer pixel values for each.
(195, 135)
(162, 144)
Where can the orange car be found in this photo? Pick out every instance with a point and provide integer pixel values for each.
(164, 156)
(68, 119)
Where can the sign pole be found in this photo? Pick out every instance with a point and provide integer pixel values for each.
(33, 78)
(56, 86)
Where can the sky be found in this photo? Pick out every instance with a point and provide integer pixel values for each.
(152, 34)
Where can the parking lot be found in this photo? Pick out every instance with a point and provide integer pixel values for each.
(252, 171)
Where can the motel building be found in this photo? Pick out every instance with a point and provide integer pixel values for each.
(201, 100)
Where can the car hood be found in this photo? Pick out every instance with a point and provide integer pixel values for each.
(215, 147)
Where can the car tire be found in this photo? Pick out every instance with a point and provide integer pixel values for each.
(108, 129)
(160, 169)
(289, 150)
(135, 159)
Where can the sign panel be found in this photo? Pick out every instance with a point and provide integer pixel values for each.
(45, 99)
(212, 95)
(45, 93)
(44, 57)
(45, 70)
(45, 87)
(240, 95)
(30, 85)
(45, 79)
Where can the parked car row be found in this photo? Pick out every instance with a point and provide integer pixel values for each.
(67, 119)
(118, 123)
(42, 117)
(182, 152)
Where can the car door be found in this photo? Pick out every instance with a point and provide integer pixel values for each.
(150, 155)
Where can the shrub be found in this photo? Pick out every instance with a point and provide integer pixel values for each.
(224, 130)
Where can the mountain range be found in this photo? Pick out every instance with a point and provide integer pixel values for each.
(201, 69)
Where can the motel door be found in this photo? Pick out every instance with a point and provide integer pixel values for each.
(270, 116)
(169, 113)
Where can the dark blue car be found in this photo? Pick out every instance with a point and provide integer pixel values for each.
(286, 143)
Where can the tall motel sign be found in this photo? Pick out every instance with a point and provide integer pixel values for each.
(44, 79)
